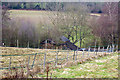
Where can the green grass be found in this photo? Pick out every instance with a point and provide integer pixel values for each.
(104, 67)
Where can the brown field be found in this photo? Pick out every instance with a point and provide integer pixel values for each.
(50, 55)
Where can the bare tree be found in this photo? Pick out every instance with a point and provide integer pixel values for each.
(54, 30)
(105, 26)
(5, 24)
(27, 33)
(75, 20)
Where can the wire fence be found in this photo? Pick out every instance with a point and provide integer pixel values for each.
(55, 58)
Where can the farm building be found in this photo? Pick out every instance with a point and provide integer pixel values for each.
(50, 44)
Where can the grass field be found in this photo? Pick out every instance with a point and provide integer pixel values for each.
(104, 67)
(36, 17)
(50, 57)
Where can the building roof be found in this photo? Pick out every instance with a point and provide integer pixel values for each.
(48, 41)
(64, 39)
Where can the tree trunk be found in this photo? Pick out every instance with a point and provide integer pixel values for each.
(80, 39)
(76, 32)
(80, 43)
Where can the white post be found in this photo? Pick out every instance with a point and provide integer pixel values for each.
(28, 45)
(113, 48)
(94, 51)
(116, 48)
(88, 51)
(103, 51)
(34, 60)
(17, 43)
(110, 49)
(10, 64)
(28, 61)
(46, 44)
(95, 48)
(99, 48)
(44, 61)
(83, 52)
(3, 44)
(67, 55)
(103, 48)
(76, 56)
(57, 58)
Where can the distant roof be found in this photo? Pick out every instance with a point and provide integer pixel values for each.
(48, 41)
(63, 38)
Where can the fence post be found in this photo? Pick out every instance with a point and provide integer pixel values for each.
(116, 47)
(28, 60)
(67, 55)
(34, 60)
(99, 48)
(57, 58)
(83, 53)
(95, 48)
(46, 44)
(44, 61)
(10, 64)
(17, 43)
(108, 48)
(76, 55)
(103, 49)
(113, 48)
(28, 45)
(94, 51)
(73, 54)
(88, 51)
(97, 51)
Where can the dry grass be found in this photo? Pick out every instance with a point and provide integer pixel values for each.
(22, 72)
(36, 17)
(50, 56)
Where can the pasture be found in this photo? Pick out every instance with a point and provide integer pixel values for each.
(39, 59)
(59, 40)
(36, 17)
(104, 67)
(52, 57)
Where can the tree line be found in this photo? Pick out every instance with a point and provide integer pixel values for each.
(94, 7)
